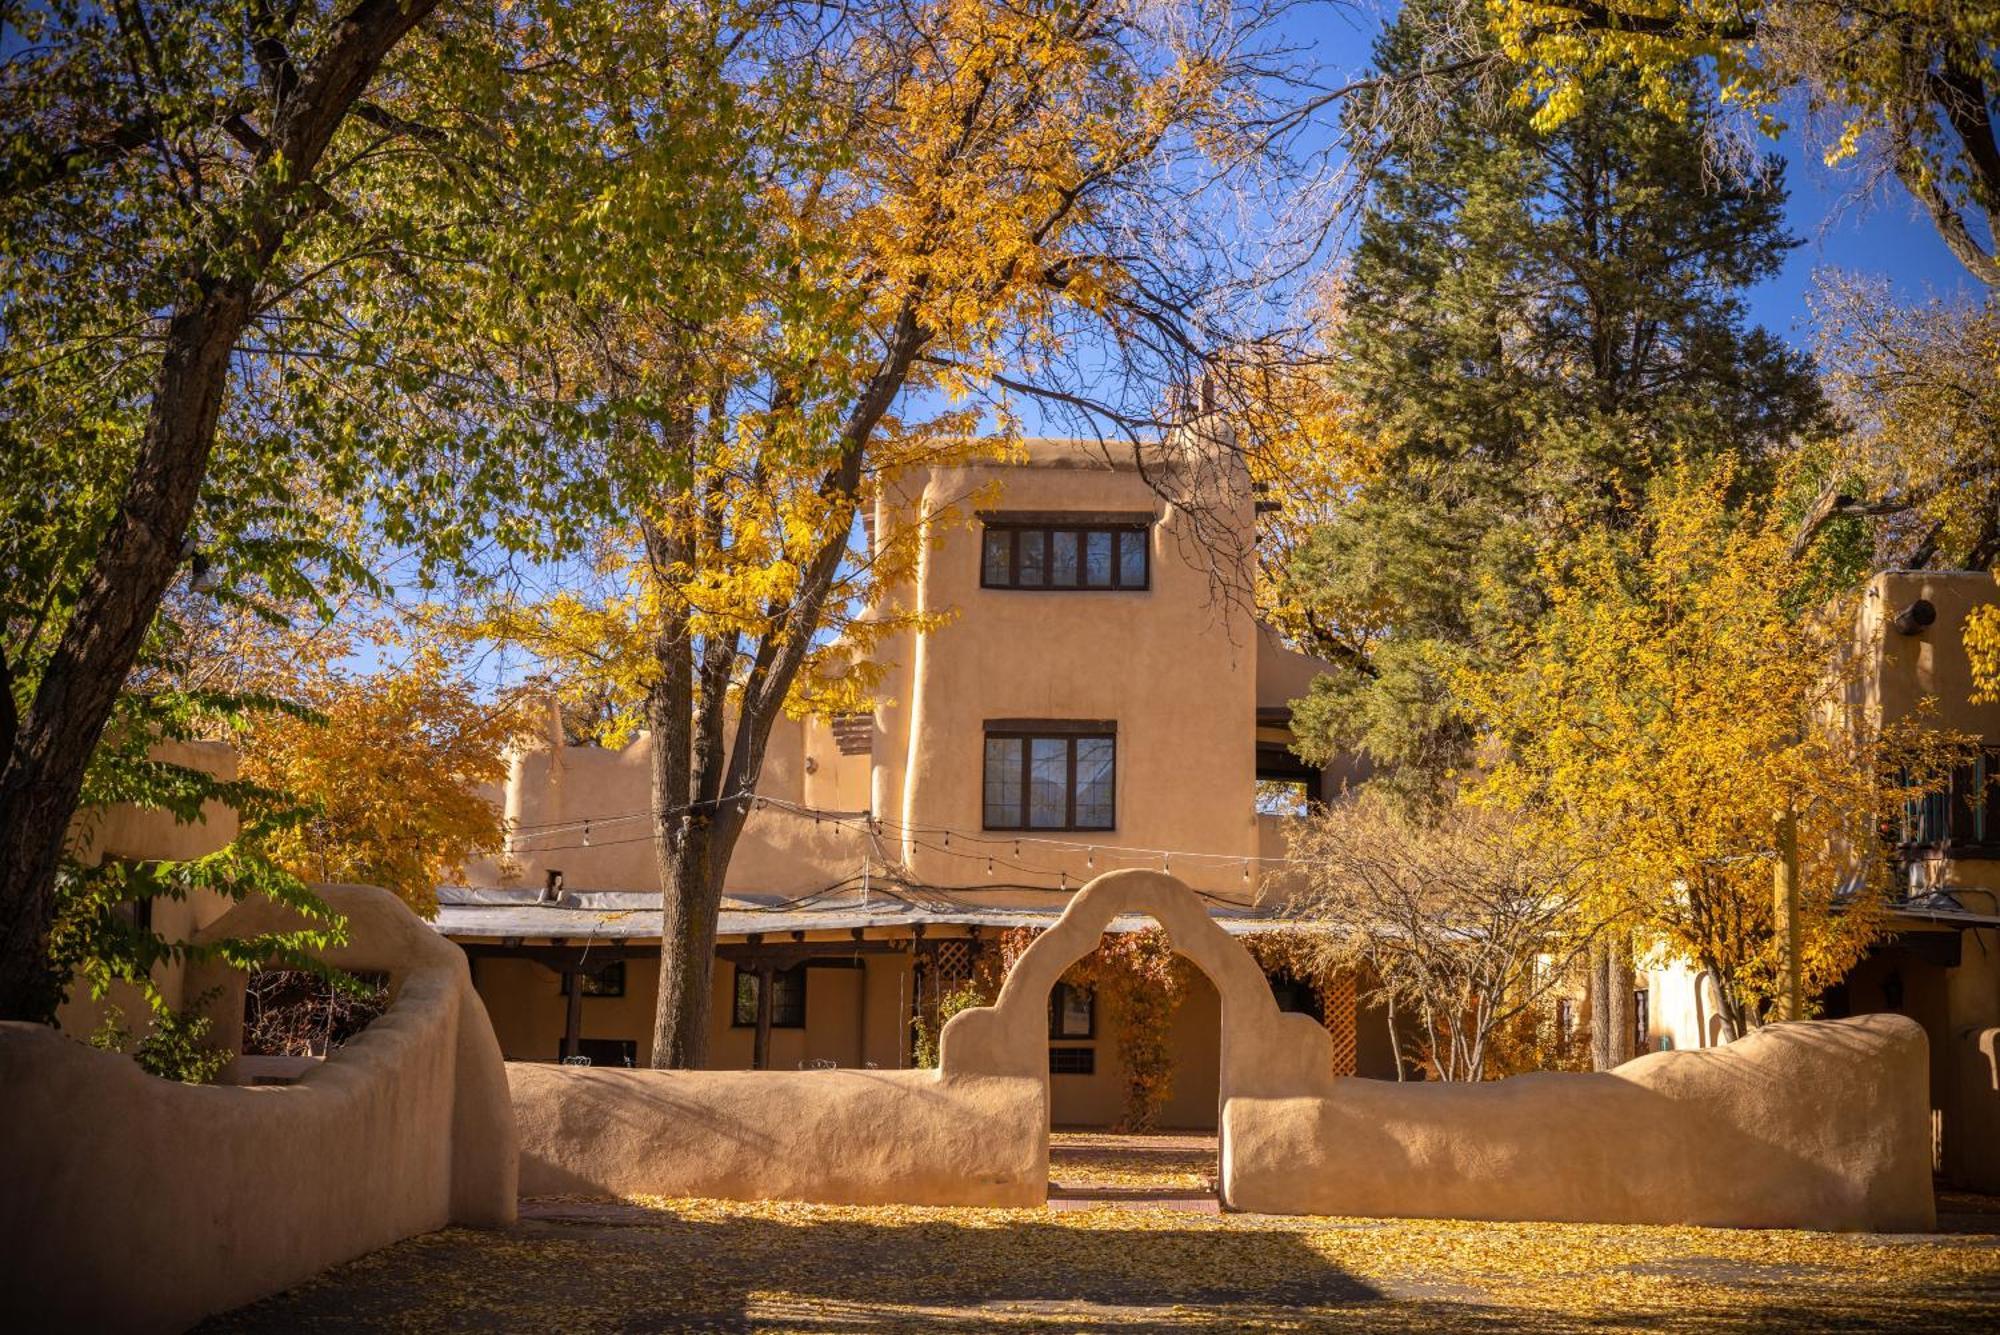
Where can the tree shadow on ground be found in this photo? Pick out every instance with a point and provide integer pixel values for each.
(628, 1268)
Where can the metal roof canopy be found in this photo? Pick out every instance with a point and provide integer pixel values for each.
(635, 916)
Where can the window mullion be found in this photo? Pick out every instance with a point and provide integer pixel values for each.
(1027, 781)
(1069, 804)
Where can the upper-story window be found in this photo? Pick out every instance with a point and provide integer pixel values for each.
(1050, 775)
(1963, 818)
(1059, 551)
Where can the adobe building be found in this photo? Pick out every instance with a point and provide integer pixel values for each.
(1101, 697)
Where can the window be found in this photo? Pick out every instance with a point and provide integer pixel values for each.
(1072, 1061)
(608, 981)
(788, 998)
(1286, 785)
(1066, 552)
(1282, 797)
(1072, 1012)
(1050, 776)
(1959, 817)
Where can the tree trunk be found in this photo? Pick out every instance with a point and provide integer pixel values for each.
(692, 886)
(43, 772)
(1612, 1013)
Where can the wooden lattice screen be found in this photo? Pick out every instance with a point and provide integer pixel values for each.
(943, 967)
(1337, 1006)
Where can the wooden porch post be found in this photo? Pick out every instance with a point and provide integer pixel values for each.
(760, 1055)
(573, 1018)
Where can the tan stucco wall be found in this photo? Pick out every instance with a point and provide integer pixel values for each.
(1175, 666)
(135, 1203)
(845, 1137)
(1907, 669)
(1819, 1124)
(779, 852)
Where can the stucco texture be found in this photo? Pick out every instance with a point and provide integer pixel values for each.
(135, 1203)
(1817, 1125)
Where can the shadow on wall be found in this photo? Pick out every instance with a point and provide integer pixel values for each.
(1812, 1125)
(136, 1203)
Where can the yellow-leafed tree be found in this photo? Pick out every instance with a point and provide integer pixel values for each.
(1909, 85)
(388, 769)
(1688, 687)
(915, 214)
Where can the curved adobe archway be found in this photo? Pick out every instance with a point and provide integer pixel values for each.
(1266, 1052)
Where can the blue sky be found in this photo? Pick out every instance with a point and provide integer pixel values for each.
(1885, 235)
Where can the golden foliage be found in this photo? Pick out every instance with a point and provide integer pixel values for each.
(776, 1266)
(1921, 385)
(390, 772)
(1671, 707)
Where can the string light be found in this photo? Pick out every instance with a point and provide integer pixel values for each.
(586, 834)
(528, 837)
(989, 866)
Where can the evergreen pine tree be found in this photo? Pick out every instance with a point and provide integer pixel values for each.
(1532, 326)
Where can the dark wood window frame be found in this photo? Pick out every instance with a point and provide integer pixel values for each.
(736, 998)
(1073, 1061)
(1028, 731)
(1056, 997)
(607, 980)
(1123, 528)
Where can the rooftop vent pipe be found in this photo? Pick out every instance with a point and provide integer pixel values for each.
(1916, 618)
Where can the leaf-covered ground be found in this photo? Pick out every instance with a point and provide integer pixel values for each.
(728, 1266)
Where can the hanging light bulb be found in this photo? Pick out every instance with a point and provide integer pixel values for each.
(989, 866)
(1090, 858)
(1246, 871)
(1065, 879)
(586, 834)
(1017, 848)
(1166, 862)
(947, 838)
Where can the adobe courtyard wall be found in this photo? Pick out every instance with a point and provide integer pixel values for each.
(843, 1137)
(1818, 1124)
(130, 1202)
(1821, 1125)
